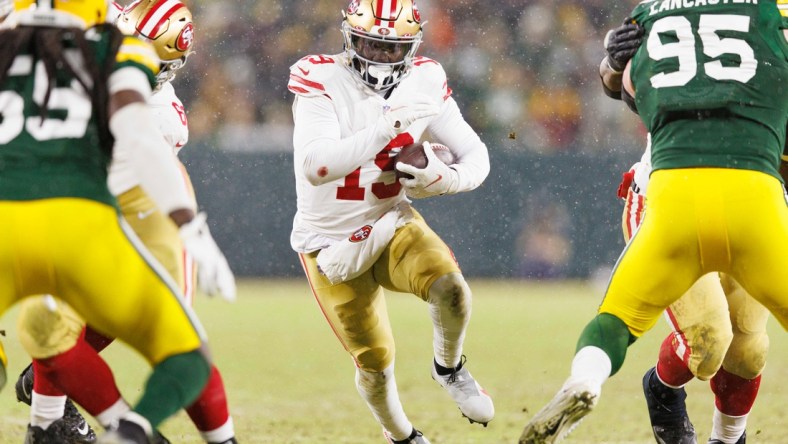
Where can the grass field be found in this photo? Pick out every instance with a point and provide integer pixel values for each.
(289, 381)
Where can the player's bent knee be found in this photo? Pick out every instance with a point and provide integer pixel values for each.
(374, 359)
(47, 326)
(709, 348)
(747, 354)
(452, 290)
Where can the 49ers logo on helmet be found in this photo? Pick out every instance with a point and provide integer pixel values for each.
(185, 38)
(361, 234)
(416, 13)
(353, 7)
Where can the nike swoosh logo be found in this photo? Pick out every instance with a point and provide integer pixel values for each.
(144, 214)
(434, 181)
(27, 393)
(305, 71)
(83, 428)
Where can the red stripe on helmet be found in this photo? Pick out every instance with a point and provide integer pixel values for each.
(164, 19)
(152, 11)
(378, 12)
(392, 13)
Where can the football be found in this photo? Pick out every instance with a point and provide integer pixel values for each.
(413, 154)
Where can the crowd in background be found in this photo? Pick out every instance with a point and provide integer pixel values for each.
(523, 71)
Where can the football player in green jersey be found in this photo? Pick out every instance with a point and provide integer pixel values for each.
(710, 85)
(67, 89)
(718, 330)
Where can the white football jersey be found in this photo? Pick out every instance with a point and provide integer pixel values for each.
(344, 164)
(169, 113)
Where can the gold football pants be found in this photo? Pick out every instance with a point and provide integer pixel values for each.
(356, 309)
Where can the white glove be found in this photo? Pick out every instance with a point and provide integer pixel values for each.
(400, 117)
(434, 179)
(213, 272)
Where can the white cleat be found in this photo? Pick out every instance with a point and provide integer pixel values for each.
(561, 415)
(474, 402)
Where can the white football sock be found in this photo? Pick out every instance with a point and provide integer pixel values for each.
(727, 429)
(114, 412)
(591, 365)
(450, 310)
(220, 434)
(44, 410)
(379, 390)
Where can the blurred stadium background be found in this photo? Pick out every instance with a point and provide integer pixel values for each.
(525, 75)
(536, 240)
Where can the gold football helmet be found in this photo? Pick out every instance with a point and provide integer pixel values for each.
(381, 39)
(61, 13)
(168, 25)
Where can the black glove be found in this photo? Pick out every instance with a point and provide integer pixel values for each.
(621, 43)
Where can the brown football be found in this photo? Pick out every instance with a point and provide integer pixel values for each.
(413, 154)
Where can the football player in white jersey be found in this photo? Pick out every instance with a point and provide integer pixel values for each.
(168, 25)
(353, 111)
(718, 330)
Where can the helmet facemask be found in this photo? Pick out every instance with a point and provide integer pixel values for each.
(380, 42)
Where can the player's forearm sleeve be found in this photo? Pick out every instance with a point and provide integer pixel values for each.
(473, 161)
(139, 140)
(321, 152)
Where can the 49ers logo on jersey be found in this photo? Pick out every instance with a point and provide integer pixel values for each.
(361, 234)
(186, 38)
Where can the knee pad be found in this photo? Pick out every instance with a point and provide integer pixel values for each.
(746, 355)
(47, 326)
(709, 345)
(452, 291)
(374, 359)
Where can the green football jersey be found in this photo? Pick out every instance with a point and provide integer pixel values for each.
(59, 153)
(711, 82)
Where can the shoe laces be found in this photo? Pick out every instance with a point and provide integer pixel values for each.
(453, 376)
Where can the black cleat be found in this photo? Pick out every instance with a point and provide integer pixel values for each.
(59, 432)
(37, 435)
(742, 440)
(77, 430)
(24, 385)
(158, 438)
(667, 411)
(125, 432)
(72, 429)
(416, 437)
